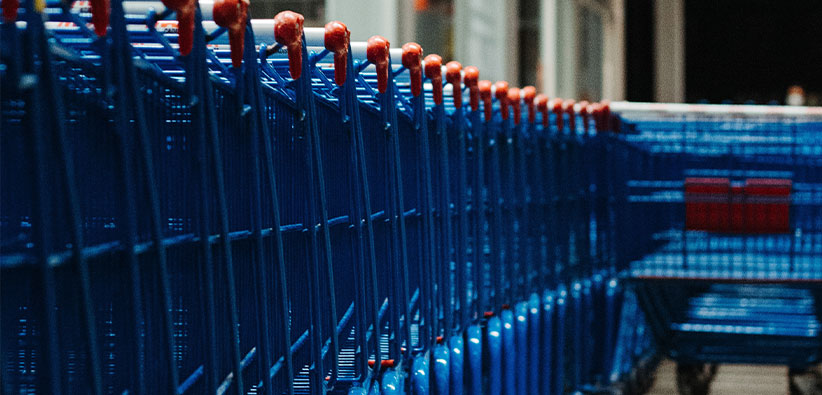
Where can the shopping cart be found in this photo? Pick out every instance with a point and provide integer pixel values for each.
(252, 206)
(732, 271)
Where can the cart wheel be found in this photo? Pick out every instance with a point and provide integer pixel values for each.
(694, 379)
(804, 381)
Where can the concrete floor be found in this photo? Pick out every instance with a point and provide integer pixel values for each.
(730, 380)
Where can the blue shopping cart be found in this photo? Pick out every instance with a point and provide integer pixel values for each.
(212, 204)
(733, 268)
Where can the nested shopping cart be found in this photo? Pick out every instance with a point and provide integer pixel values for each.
(198, 202)
(730, 199)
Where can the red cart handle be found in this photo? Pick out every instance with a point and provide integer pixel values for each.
(485, 94)
(515, 101)
(453, 74)
(288, 31)
(596, 112)
(528, 95)
(100, 11)
(605, 115)
(412, 60)
(10, 10)
(232, 15)
(337, 39)
(433, 71)
(377, 53)
(501, 93)
(541, 102)
(185, 22)
(556, 108)
(470, 79)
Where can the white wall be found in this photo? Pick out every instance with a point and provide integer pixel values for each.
(366, 18)
(560, 47)
(485, 36)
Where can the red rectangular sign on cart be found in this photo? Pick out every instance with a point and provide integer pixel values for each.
(768, 203)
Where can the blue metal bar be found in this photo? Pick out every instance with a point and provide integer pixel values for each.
(480, 210)
(129, 210)
(444, 208)
(427, 206)
(49, 377)
(206, 123)
(494, 136)
(462, 273)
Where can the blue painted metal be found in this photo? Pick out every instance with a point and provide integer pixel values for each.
(534, 343)
(560, 331)
(473, 359)
(493, 343)
(301, 236)
(521, 346)
(456, 348)
(547, 343)
(392, 383)
(420, 375)
(441, 369)
(509, 351)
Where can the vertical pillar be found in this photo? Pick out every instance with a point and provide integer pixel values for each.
(669, 45)
(486, 36)
(559, 42)
(548, 47)
(613, 66)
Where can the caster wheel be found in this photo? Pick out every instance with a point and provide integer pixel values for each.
(694, 379)
(804, 381)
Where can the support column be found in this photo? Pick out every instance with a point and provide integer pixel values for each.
(613, 65)
(548, 47)
(669, 45)
(485, 36)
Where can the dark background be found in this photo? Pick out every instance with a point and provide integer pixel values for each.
(734, 50)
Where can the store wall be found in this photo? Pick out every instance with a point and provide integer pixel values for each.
(566, 48)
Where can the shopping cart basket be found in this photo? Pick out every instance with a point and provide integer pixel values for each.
(732, 271)
(214, 204)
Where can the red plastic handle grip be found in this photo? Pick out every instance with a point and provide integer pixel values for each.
(384, 364)
(529, 93)
(433, 71)
(288, 31)
(453, 74)
(412, 60)
(185, 22)
(515, 101)
(541, 102)
(596, 112)
(10, 10)
(484, 87)
(556, 108)
(501, 93)
(471, 78)
(337, 38)
(232, 15)
(100, 11)
(568, 107)
(377, 53)
(605, 115)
